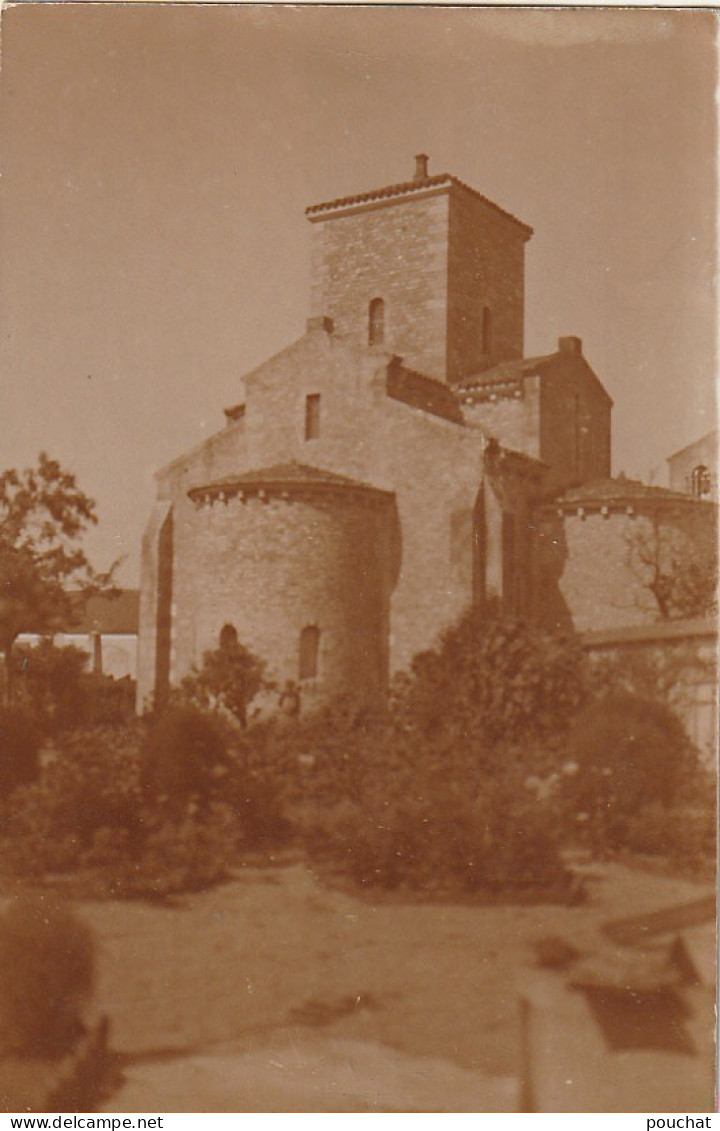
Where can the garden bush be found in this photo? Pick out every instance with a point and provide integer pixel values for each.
(179, 852)
(317, 758)
(630, 753)
(108, 810)
(497, 680)
(184, 756)
(47, 968)
(108, 701)
(414, 828)
(685, 837)
(19, 751)
(228, 680)
(48, 682)
(394, 808)
(89, 789)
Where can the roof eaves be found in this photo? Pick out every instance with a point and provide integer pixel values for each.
(406, 188)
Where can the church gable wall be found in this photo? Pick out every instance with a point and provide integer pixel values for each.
(349, 389)
(216, 457)
(574, 421)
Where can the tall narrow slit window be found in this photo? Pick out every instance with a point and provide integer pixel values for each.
(312, 416)
(376, 322)
(309, 652)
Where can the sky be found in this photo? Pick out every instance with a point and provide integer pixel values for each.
(156, 163)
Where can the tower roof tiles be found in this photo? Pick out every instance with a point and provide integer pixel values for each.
(407, 188)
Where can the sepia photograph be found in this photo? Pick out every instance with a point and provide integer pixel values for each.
(358, 559)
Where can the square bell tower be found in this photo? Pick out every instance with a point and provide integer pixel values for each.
(428, 269)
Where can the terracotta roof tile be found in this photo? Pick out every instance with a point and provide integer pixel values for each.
(621, 489)
(404, 188)
(282, 474)
(423, 392)
(506, 371)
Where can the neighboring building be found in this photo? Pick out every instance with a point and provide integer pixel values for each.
(675, 659)
(393, 465)
(694, 469)
(106, 628)
(616, 553)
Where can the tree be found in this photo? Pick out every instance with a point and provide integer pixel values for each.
(43, 517)
(629, 752)
(229, 679)
(494, 680)
(676, 563)
(50, 682)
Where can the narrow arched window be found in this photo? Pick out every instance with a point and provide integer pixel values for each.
(700, 481)
(228, 637)
(309, 651)
(376, 322)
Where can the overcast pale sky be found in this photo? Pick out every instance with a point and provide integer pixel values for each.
(157, 160)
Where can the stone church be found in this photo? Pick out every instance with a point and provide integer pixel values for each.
(397, 463)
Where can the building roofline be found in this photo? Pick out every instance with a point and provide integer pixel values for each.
(694, 628)
(693, 444)
(283, 478)
(612, 495)
(508, 375)
(440, 182)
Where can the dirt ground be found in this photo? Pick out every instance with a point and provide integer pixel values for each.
(386, 1004)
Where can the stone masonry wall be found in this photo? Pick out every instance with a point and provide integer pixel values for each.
(433, 466)
(589, 576)
(396, 251)
(273, 566)
(511, 420)
(486, 268)
(574, 423)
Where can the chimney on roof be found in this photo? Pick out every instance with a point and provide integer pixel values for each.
(570, 344)
(421, 167)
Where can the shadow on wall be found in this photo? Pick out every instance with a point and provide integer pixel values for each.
(389, 550)
(550, 556)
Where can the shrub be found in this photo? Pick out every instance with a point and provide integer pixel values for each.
(434, 836)
(184, 757)
(497, 680)
(89, 815)
(19, 751)
(630, 752)
(318, 757)
(48, 683)
(108, 701)
(686, 838)
(47, 966)
(92, 784)
(401, 809)
(178, 852)
(228, 680)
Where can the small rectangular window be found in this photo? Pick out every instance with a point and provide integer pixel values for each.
(309, 652)
(312, 416)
